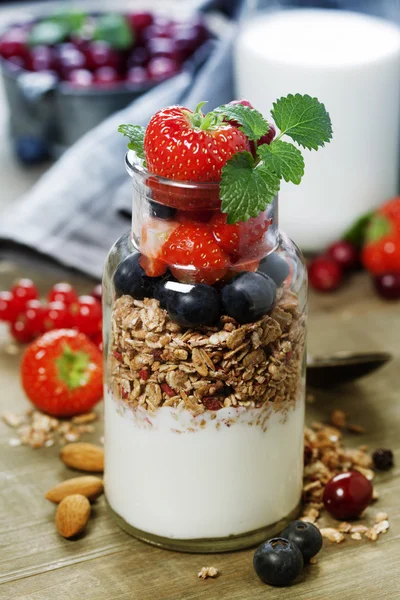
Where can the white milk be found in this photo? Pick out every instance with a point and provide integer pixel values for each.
(351, 62)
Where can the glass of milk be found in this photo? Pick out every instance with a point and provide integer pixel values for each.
(351, 62)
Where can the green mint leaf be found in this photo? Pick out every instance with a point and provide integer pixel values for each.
(48, 33)
(135, 133)
(251, 122)
(284, 159)
(114, 29)
(357, 233)
(72, 20)
(304, 119)
(246, 189)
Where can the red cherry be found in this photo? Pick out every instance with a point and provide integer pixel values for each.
(164, 47)
(80, 78)
(97, 292)
(41, 58)
(106, 76)
(344, 254)
(137, 76)
(86, 314)
(324, 274)
(62, 292)
(21, 332)
(34, 317)
(100, 54)
(13, 43)
(56, 316)
(139, 57)
(140, 20)
(346, 495)
(8, 309)
(23, 290)
(388, 285)
(161, 67)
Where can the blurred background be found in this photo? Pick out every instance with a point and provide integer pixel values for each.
(72, 71)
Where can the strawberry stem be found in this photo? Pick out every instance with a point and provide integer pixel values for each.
(73, 367)
(198, 120)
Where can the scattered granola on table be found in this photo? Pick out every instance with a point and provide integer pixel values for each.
(206, 572)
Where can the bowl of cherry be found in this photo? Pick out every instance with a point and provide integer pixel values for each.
(64, 73)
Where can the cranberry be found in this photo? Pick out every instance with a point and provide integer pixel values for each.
(106, 76)
(168, 390)
(56, 316)
(347, 495)
(23, 290)
(388, 285)
(21, 332)
(97, 292)
(144, 374)
(140, 20)
(80, 78)
(100, 54)
(62, 292)
(41, 58)
(344, 254)
(161, 67)
(139, 57)
(137, 76)
(86, 315)
(324, 274)
(13, 43)
(211, 403)
(33, 317)
(8, 309)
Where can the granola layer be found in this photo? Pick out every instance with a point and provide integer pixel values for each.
(155, 362)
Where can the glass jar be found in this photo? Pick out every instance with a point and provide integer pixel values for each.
(204, 386)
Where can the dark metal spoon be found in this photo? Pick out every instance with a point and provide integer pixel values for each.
(342, 367)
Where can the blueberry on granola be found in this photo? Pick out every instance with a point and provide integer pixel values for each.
(306, 536)
(248, 297)
(278, 562)
(131, 279)
(275, 267)
(194, 305)
(161, 211)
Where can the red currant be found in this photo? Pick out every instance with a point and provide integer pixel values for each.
(56, 316)
(62, 292)
(344, 253)
(34, 317)
(21, 332)
(23, 290)
(8, 309)
(324, 274)
(86, 315)
(346, 495)
(97, 292)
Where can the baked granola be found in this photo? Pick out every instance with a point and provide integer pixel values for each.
(154, 362)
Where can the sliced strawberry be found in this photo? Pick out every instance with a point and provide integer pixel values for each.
(153, 267)
(194, 256)
(155, 233)
(238, 240)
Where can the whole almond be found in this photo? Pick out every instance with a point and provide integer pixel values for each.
(72, 514)
(87, 485)
(83, 456)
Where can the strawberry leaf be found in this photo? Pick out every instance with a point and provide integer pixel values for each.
(251, 122)
(246, 188)
(135, 133)
(357, 232)
(304, 119)
(284, 159)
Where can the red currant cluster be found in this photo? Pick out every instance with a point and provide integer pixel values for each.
(29, 317)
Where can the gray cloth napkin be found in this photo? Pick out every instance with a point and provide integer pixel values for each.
(79, 208)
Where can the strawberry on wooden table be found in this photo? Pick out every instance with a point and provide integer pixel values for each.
(61, 373)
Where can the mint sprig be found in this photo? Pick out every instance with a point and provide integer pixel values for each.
(246, 188)
(304, 119)
(284, 159)
(135, 133)
(251, 122)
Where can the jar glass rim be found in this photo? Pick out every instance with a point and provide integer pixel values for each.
(135, 167)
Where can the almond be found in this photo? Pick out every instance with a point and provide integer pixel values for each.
(72, 514)
(87, 485)
(83, 456)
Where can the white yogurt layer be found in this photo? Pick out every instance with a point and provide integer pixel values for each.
(174, 475)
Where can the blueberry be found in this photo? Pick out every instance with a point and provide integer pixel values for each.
(248, 297)
(130, 279)
(278, 562)
(31, 149)
(195, 305)
(306, 536)
(161, 211)
(163, 290)
(275, 267)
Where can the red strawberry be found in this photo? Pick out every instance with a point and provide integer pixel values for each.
(382, 256)
(265, 139)
(194, 256)
(61, 373)
(183, 145)
(238, 240)
(153, 267)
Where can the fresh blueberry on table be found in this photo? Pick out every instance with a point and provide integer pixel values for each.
(278, 562)
(31, 149)
(131, 279)
(306, 536)
(195, 305)
(275, 267)
(248, 297)
(161, 211)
